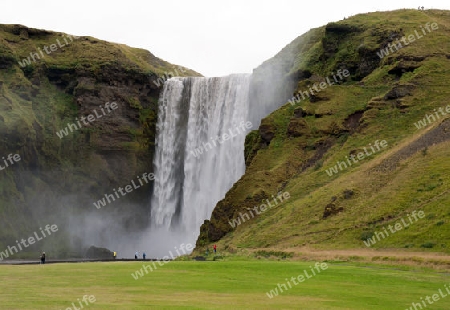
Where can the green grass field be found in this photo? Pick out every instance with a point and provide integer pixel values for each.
(217, 285)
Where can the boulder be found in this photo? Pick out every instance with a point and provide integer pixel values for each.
(297, 127)
(98, 253)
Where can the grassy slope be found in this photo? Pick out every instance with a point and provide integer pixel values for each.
(216, 285)
(421, 182)
(82, 51)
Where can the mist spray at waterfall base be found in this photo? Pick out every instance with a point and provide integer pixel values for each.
(156, 243)
(108, 230)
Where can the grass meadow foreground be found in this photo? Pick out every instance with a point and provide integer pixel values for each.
(218, 285)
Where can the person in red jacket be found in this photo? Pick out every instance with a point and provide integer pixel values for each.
(215, 248)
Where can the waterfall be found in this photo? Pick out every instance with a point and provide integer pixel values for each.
(201, 129)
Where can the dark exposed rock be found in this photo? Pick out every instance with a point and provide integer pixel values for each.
(316, 98)
(399, 91)
(355, 152)
(330, 210)
(302, 74)
(341, 28)
(363, 65)
(348, 193)
(352, 122)
(320, 147)
(299, 112)
(98, 253)
(7, 58)
(387, 37)
(320, 115)
(61, 77)
(403, 67)
(297, 127)
(253, 143)
(6, 61)
(267, 132)
(24, 33)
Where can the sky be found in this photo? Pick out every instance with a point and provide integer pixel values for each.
(214, 38)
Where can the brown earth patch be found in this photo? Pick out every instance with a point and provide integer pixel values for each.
(434, 260)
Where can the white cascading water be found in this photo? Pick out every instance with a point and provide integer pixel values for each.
(193, 112)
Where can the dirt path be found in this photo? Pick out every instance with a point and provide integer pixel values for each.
(439, 134)
(81, 260)
(386, 256)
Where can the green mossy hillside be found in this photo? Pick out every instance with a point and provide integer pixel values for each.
(296, 145)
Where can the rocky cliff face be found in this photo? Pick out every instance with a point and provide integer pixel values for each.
(61, 174)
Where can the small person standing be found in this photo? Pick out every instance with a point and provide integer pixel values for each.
(143, 255)
(136, 255)
(215, 248)
(114, 254)
(43, 258)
